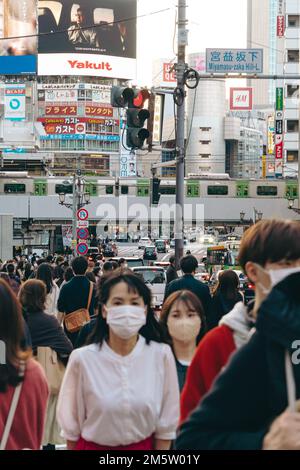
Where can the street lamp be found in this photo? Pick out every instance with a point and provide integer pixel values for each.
(259, 215)
(62, 198)
(291, 206)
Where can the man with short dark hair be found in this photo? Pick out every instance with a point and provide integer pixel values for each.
(79, 32)
(171, 271)
(253, 404)
(75, 293)
(189, 265)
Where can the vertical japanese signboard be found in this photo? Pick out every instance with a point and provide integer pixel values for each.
(279, 132)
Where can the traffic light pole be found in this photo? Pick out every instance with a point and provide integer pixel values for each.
(180, 134)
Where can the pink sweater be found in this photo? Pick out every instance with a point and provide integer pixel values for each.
(28, 425)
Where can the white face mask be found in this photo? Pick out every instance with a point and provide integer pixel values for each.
(276, 276)
(126, 320)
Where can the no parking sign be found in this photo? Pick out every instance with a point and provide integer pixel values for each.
(82, 249)
(83, 234)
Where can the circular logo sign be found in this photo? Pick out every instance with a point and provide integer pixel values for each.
(82, 214)
(80, 128)
(83, 234)
(82, 249)
(15, 104)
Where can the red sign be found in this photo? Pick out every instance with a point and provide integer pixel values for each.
(241, 99)
(169, 74)
(82, 249)
(280, 26)
(99, 111)
(279, 151)
(61, 129)
(61, 110)
(75, 120)
(83, 234)
(82, 214)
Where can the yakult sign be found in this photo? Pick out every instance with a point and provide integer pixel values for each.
(99, 38)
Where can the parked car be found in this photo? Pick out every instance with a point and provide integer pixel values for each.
(150, 253)
(161, 246)
(156, 280)
(144, 241)
(202, 274)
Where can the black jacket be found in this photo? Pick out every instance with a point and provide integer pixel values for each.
(188, 282)
(220, 306)
(252, 392)
(46, 331)
(171, 274)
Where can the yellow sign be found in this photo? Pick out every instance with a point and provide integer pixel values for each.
(264, 166)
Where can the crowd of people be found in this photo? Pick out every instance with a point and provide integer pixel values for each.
(89, 363)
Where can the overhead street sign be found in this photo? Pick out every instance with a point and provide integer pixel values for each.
(234, 61)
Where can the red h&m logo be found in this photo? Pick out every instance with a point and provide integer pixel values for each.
(241, 99)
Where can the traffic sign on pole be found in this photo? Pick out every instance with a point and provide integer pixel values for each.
(83, 234)
(82, 223)
(82, 249)
(82, 214)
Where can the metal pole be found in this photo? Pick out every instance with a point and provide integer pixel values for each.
(180, 142)
(74, 214)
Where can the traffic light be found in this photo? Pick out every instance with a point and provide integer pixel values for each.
(122, 97)
(155, 194)
(136, 132)
(136, 119)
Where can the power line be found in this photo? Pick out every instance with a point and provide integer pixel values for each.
(104, 25)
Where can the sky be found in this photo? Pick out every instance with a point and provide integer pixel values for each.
(212, 23)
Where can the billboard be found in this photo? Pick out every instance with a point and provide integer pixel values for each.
(18, 49)
(90, 38)
(241, 99)
(15, 102)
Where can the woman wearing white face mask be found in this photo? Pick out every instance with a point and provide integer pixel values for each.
(121, 392)
(184, 321)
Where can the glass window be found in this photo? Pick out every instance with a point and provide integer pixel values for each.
(16, 188)
(64, 188)
(167, 190)
(124, 189)
(292, 125)
(217, 190)
(267, 191)
(293, 55)
(109, 190)
(293, 91)
(292, 156)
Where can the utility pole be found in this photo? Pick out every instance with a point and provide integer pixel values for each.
(74, 214)
(180, 134)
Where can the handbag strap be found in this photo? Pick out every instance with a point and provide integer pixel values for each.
(90, 295)
(12, 410)
(290, 382)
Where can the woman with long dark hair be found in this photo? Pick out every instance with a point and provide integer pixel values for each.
(184, 322)
(45, 274)
(225, 296)
(121, 391)
(19, 375)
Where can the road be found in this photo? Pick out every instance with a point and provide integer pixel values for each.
(130, 249)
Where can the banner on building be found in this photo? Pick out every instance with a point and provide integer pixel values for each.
(271, 135)
(67, 235)
(241, 99)
(18, 46)
(127, 164)
(99, 38)
(15, 102)
(280, 26)
(234, 60)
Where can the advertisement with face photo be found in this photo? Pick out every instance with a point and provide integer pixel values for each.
(18, 50)
(94, 37)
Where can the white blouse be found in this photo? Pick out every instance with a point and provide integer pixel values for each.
(51, 301)
(113, 400)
